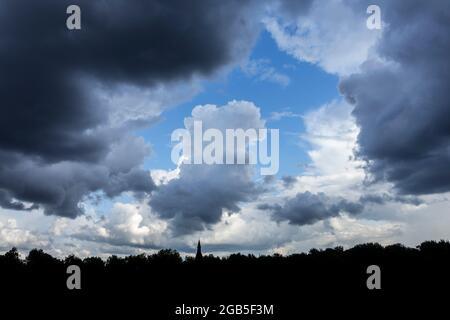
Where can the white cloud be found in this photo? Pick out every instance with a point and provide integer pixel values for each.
(202, 191)
(332, 34)
(127, 224)
(330, 133)
(11, 235)
(343, 231)
(131, 228)
(235, 114)
(161, 176)
(143, 105)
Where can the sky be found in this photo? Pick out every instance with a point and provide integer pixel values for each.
(87, 118)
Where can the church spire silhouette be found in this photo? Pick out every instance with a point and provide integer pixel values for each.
(199, 255)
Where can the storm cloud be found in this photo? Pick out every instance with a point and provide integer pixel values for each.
(56, 143)
(308, 208)
(381, 199)
(197, 199)
(401, 103)
(396, 77)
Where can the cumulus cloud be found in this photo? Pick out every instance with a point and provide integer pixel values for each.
(126, 225)
(70, 98)
(288, 181)
(11, 235)
(348, 231)
(402, 118)
(331, 133)
(59, 187)
(133, 106)
(200, 194)
(332, 34)
(308, 208)
(401, 103)
(7, 202)
(330, 137)
(71, 107)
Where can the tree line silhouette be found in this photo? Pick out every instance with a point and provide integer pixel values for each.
(168, 257)
(428, 254)
(166, 278)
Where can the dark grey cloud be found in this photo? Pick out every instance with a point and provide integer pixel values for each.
(307, 208)
(43, 63)
(197, 199)
(402, 105)
(7, 202)
(55, 141)
(293, 8)
(59, 187)
(383, 198)
(269, 179)
(288, 181)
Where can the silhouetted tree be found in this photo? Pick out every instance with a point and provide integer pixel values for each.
(168, 274)
(166, 257)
